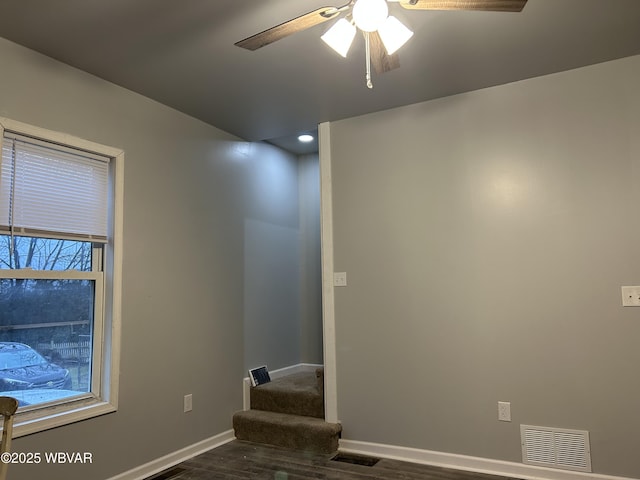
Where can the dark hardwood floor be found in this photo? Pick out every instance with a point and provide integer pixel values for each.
(242, 460)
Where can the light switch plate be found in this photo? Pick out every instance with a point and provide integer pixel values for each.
(630, 296)
(340, 279)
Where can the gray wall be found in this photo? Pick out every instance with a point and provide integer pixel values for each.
(486, 237)
(271, 266)
(192, 192)
(310, 262)
(272, 295)
(283, 297)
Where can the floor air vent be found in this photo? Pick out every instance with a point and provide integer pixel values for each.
(168, 474)
(556, 448)
(356, 459)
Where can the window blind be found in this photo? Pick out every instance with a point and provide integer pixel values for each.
(54, 191)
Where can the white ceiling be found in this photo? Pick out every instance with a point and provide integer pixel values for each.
(182, 53)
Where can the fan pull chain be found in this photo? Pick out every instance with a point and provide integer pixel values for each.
(368, 54)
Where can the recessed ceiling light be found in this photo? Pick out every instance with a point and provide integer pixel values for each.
(305, 138)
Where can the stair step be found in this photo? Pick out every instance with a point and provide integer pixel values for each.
(284, 430)
(296, 394)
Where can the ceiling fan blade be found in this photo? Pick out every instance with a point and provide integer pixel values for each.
(380, 59)
(486, 5)
(290, 27)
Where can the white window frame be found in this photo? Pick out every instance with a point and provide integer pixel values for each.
(103, 397)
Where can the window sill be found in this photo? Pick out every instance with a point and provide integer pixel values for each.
(29, 422)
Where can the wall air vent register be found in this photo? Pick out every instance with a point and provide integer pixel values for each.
(556, 448)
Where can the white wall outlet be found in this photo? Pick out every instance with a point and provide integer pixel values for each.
(188, 403)
(504, 411)
(340, 279)
(630, 296)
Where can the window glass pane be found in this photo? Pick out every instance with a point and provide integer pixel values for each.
(45, 338)
(44, 254)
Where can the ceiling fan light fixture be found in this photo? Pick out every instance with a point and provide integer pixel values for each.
(394, 34)
(340, 36)
(368, 15)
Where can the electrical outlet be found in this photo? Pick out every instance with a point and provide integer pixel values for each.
(504, 411)
(188, 403)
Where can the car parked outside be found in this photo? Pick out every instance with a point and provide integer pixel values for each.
(22, 368)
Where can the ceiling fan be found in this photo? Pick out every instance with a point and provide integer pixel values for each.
(383, 33)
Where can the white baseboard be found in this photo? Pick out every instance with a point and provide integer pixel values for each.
(162, 463)
(281, 372)
(463, 462)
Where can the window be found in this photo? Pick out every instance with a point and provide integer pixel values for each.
(60, 261)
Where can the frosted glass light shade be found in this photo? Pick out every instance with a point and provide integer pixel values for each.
(394, 34)
(340, 36)
(370, 14)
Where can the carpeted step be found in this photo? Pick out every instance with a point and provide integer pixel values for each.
(297, 394)
(285, 430)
